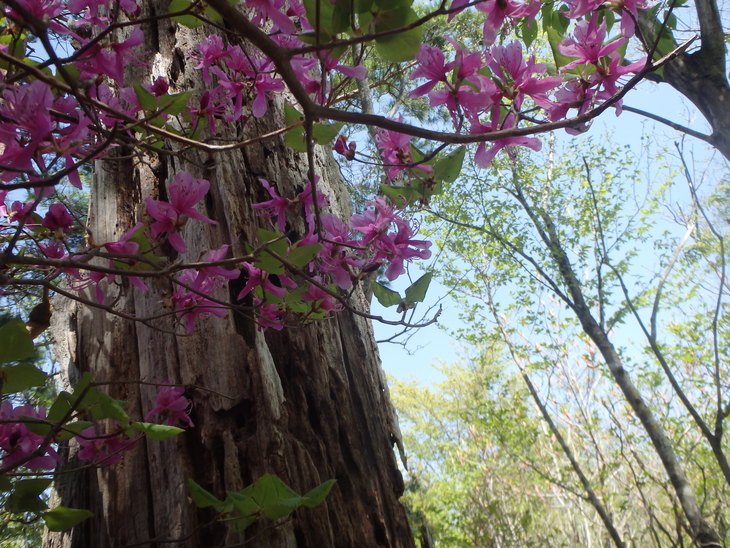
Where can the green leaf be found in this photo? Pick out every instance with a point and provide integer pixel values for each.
(363, 6)
(104, 406)
(302, 255)
(146, 99)
(189, 21)
(295, 138)
(71, 429)
(401, 195)
(325, 133)
(315, 496)
(82, 392)
(15, 342)
(341, 15)
(386, 297)
(447, 169)
(267, 262)
(417, 291)
(63, 519)
(325, 9)
(35, 425)
(175, 103)
(292, 115)
(17, 378)
(275, 498)
(529, 32)
(145, 251)
(157, 432)
(60, 407)
(554, 37)
(201, 497)
(402, 46)
(26, 495)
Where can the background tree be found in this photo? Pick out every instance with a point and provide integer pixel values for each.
(527, 244)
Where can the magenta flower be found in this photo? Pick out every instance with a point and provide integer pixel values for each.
(110, 60)
(210, 50)
(172, 405)
(217, 273)
(268, 316)
(58, 219)
(484, 157)
(432, 67)
(337, 254)
(344, 148)
(322, 302)
(579, 8)
(500, 10)
(190, 305)
(272, 9)
(586, 44)
(399, 247)
(103, 449)
(396, 150)
(276, 207)
(171, 216)
(260, 278)
(375, 220)
(516, 74)
(18, 443)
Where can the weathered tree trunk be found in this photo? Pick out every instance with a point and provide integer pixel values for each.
(308, 403)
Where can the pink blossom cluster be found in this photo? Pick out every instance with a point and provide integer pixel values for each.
(47, 134)
(21, 447)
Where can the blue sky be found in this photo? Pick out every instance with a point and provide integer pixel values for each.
(433, 344)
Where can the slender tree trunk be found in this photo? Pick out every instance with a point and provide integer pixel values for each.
(703, 533)
(309, 403)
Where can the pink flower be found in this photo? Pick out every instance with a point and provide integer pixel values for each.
(516, 74)
(396, 150)
(171, 216)
(110, 60)
(499, 10)
(268, 316)
(399, 247)
(375, 220)
(322, 302)
(272, 9)
(124, 247)
(18, 443)
(484, 157)
(210, 50)
(586, 44)
(260, 278)
(276, 207)
(342, 147)
(216, 273)
(337, 256)
(189, 305)
(58, 219)
(103, 449)
(432, 67)
(172, 405)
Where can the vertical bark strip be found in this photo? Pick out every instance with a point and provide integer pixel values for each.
(308, 403)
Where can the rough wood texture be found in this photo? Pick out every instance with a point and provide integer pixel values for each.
(309, 403)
